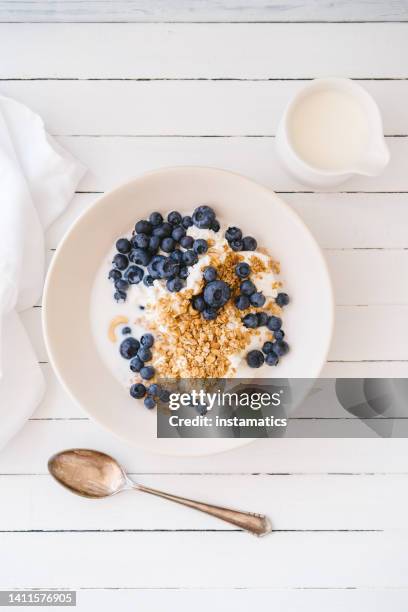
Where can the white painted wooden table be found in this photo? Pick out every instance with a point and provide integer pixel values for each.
(199, 82)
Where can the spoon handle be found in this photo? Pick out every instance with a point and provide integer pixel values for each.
(257, 524)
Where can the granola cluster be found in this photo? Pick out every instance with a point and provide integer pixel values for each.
(193, 347)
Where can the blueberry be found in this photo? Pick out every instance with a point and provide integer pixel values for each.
(236, 245)
(272, 359)
(281, 348)
(149, 402)
(257, 299)
(217, 293)
(187, 222)
(163, 230)
(242, 302)
(210, 274)
(154, 244)
(274, 323)
(167, 245)
(282, 299)
(198, 303)
(255, 359)
(143, 227)
(178, 233)
(250, 244)
(140, 257)
(267, 347)
(121, 285)
(136, 364)
(175, 284)
(123, 245)
(247, 287)
(144, 354)
(156, 219)
(134, 275)
(233, 233)
(250, 320)
(137, 391)
(201, 409)
(200, 246)
(147, 372)
(177, 256)
(129, 347)
(120, 261)
(242, 270)
(153, 390)
(148, 280)
(153, 268)
(189, 258)
(141, 241)
(114, 275)
(164, 395)
(203, 217)
(263, 318)
(187, 242)
(167, 268)
(183, 273)
(215, 226)
(209, 314)
(126, 331)
(119, 296)
(279, 335)
(147, 340)
(174, 218)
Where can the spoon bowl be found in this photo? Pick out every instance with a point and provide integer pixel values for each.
(88, 473)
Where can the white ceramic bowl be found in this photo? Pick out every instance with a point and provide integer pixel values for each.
(237, 200)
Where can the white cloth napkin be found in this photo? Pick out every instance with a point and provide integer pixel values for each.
(37, 180)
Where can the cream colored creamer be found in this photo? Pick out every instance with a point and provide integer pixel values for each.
(329, 129)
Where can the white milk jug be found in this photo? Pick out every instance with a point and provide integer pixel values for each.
(331, 130)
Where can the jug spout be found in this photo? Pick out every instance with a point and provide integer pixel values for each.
(375, 160)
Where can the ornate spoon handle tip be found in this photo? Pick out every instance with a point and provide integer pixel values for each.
(257, 524)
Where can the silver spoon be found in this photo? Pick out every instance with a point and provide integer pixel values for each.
(95, 475)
